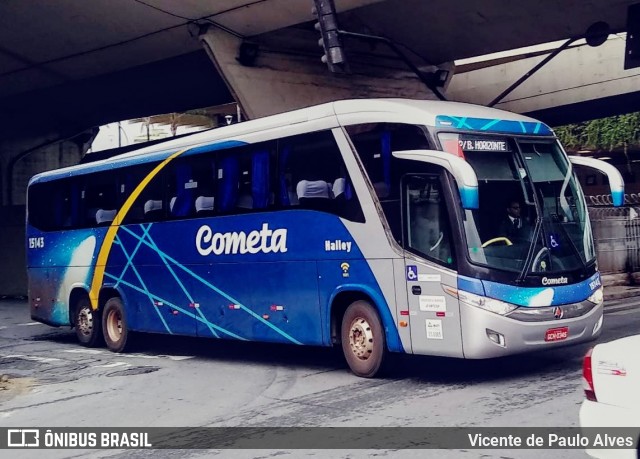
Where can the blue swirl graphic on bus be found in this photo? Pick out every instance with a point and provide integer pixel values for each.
(493, 125)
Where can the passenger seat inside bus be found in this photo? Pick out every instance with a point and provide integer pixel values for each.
(105, 217)
(153, 209)
(245, 201)
(204, 205)
(314, 195)
(338, 188)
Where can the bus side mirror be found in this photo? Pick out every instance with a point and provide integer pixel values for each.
(616, 183)
(460, 169)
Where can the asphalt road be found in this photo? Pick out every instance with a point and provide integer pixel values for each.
(172, 381)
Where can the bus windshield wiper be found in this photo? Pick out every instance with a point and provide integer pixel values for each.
(530, 254)
(574, 247)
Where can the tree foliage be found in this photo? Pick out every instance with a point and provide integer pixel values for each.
(610, 133)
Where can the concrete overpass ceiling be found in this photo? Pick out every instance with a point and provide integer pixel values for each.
(45, 43)
(178, 83)
(444, 30)
(70, 53)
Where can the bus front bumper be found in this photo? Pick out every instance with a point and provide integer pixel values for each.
(487, 335)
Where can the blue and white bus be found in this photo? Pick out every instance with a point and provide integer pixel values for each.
(369, 224)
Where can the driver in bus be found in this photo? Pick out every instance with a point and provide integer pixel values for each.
(513, 226)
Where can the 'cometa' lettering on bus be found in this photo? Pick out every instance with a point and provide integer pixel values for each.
(264, 240)
(554, 281)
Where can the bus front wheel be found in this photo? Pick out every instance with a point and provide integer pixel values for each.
(114, 326)
(362, 339)
(86, 322)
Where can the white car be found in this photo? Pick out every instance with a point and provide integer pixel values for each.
(611, 380)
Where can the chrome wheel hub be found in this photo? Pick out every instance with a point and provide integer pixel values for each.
(85, 321)
(361, 338)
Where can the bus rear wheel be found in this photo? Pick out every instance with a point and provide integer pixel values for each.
(114, 326)
(86, 322)
(362, 337)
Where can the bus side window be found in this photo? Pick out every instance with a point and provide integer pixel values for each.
(375, 144)
(100, 199)
(149, 205)
(245, 178)
(312, 175)
(427, 226)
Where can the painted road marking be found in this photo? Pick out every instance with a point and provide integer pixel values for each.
(33, 358)
(111, 365)
(139, 356)
(623, 312)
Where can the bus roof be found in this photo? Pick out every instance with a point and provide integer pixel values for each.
(453, 115)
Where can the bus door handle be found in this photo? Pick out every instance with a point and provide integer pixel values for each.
(416, 290)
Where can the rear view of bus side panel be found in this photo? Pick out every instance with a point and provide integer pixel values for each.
(57, 263)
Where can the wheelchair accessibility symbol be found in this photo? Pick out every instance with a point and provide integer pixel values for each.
(412, 273)
(552, 241)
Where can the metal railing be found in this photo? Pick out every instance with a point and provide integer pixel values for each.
(616, 231)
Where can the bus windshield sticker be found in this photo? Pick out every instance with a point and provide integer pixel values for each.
(484, 144)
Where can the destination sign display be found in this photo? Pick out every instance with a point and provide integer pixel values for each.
(493, 144)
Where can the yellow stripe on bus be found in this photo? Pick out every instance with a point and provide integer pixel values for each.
(107, 243)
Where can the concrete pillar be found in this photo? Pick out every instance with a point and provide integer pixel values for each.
(283, 79)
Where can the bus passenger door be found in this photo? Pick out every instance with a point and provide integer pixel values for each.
(434, 315)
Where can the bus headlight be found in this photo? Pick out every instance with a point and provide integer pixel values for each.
(488, 304)
(597, 296)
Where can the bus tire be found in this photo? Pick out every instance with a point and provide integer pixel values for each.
(114, 326)
(363, 341)
(87, 324)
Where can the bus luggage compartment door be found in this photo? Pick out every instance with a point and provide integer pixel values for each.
(434, 316)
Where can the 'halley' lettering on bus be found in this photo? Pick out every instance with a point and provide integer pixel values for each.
(265, 241)
(337, 246)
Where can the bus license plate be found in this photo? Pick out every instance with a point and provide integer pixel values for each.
(556, 334)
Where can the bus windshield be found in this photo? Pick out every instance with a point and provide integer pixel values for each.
(532, 217)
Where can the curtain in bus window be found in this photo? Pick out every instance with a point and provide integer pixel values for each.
(76, 198)
(185, 186)
(228, 183)
(385, 141)
(284, 184)
(61, 210)
(260, 179)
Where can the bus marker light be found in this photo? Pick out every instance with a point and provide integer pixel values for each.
(450, 290)
(158, 303)
(194, 305)
(174, 312)
(275, 307)
(597, 326)
(496, 337)
(234, 306)
(441, 314)
(265, 316)
(403, 323)
(404, 312)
